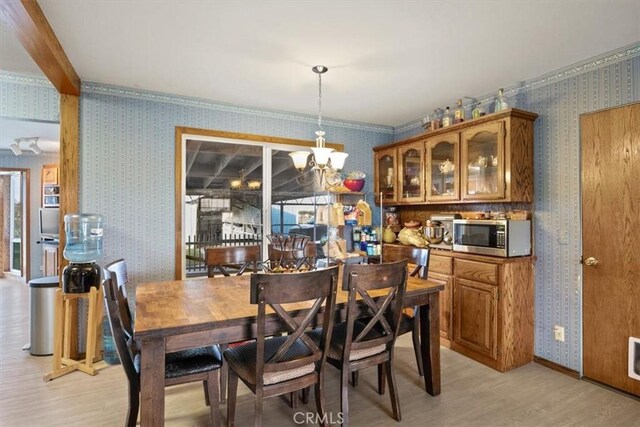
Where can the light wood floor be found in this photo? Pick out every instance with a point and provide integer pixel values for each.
(472, 394)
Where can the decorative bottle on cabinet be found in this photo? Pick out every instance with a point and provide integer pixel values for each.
(501, 101)
(458, 113)
(447, 119)
(436, 119)
(477, 112)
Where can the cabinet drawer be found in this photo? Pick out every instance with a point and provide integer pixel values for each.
(440, 264)
(474, 270)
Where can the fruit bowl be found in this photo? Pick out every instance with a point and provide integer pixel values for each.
(354, 184)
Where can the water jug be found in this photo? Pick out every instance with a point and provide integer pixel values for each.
(84, 237)
(109, 353)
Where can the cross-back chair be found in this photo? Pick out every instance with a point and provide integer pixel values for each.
(298, 259)
(232, 260)
(272, 366)
(358, 344)
(419, 258)
(201, 364)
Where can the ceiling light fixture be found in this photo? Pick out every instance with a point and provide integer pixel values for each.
(15, 147)
(324, 162)
(32, 145)
(241, 183)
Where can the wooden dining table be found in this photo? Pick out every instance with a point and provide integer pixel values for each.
(182, 314)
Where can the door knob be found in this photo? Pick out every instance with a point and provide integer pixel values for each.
(591, 261)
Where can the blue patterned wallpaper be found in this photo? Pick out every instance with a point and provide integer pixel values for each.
(28, 97)
(559, 98)
(127, 162)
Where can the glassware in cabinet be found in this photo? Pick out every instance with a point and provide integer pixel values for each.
(483, 162)
(386, 170)
(411, 172)
(443, 167)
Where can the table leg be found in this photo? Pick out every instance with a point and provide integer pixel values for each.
(152, 382)
(430, 343)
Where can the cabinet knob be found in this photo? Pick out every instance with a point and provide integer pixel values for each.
(591, 261)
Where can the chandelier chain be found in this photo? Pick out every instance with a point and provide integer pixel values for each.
(320, 100)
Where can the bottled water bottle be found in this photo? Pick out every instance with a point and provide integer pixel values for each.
(84, 237)
(109, 353)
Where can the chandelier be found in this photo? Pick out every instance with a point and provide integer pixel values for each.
(325, 164)
(241, 182)
(32, 145)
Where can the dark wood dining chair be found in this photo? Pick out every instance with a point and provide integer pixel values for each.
(358, 344)
(228, 261)
(117, 271)
(300, 259)
(418, 258)
(201, 364)
(232, 260)
(272, 366)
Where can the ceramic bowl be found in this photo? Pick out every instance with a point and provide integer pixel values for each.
(354, 184)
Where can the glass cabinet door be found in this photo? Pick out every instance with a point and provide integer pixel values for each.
(483, 162)
(411, 173)
(386, 175)
(443, 167)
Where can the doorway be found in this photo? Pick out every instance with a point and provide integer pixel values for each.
(14, 220)
(610, 149)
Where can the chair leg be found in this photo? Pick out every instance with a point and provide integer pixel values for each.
(294, 399)
(232, 392)
(415, 335)
(213, 396)
(354, 378)
(381, 379)
(393, 391)
(319, 401)
(134, 405)
(224, 373)
(305, 394)
(258, 410)
(344, 396)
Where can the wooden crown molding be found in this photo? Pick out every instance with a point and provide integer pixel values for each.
(27, 21)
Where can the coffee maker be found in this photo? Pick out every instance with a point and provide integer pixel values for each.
(446, 220)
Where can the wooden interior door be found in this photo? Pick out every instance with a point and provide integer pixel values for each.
(611, 243)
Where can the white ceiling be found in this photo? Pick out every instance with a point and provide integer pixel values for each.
(389, 62)
(48, 134)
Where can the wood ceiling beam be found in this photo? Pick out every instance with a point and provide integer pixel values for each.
(27, 21)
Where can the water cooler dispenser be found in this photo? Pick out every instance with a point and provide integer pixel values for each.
(83, 247)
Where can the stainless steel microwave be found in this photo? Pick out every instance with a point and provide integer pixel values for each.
(500, 237)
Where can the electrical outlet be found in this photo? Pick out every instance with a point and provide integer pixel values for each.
(558, 332)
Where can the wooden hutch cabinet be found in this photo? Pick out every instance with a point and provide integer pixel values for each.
(385, 172)
(443, 167)
(411, 174)
(489, 159)
(493, 310)
(441, 270)
(486, 307)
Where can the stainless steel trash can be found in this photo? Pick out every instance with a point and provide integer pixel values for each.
(42, 297)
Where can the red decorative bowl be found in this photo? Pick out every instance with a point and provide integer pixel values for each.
(354, 184)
